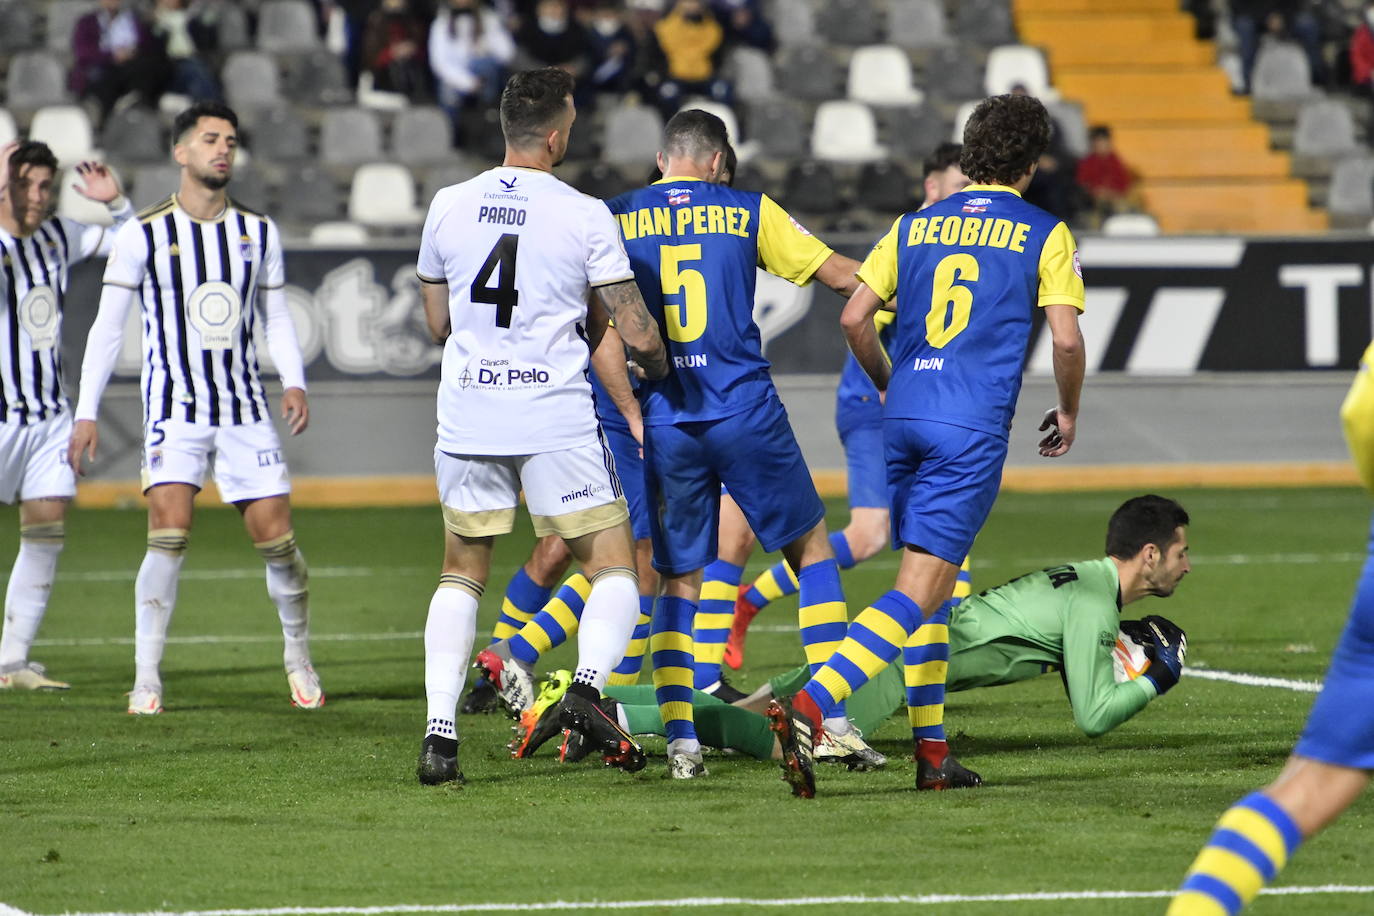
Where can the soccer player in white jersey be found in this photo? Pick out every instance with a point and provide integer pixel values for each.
(204, 270)
(35, 418)
(507, 262)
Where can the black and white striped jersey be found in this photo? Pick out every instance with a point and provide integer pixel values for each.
(199, 282)
(33, 274)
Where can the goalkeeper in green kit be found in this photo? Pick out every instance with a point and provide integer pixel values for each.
(1064, 619)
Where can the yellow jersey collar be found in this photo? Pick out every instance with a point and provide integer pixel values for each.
(667, 179)
(989, 187)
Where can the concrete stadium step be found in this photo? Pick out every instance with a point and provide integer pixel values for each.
(1105, 6)
(1235, 205)
(1107, 52)
(1163, 82)
(1192, 151)
(1075, 27)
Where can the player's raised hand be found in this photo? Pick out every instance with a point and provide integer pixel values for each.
(1062, 428)
(97, 182)
(85, 438)
(295, 410)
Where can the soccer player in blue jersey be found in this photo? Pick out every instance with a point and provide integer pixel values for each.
(967, 273)
(695, 247)
(1331, 764)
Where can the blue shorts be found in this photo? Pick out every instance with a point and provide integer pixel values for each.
(629, 467)
(942, 481)
(755, 455)
(864, 459)
(1340, 728)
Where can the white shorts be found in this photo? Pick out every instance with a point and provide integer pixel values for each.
(247, 460)
(570, 493)
(33, 460)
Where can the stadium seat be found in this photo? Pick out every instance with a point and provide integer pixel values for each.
(310, 197)
(952, 74)
(631, 135)
(152, 183)
(848, 22)
(377, 99)
(8, 129)
(287, 26)
(1132, 225)
(812, 188)
(457, 171)
(250, 187)
(62, 16)
(338, 233)
(1281, 73)
(751, 71)
(67, 130)
(809, 72)
(720, 110)
(960, 119)
(1325, 128)
(349, 136)
(134, 135)
(481, 136)
(604, 182)
(421, 136)
(794, 22)
(885, 187)
(984, 22)
(316, 79)
(18, 27)
(751, 178)
(1069, 117)
(845, 132)
(918, 24)
(35, 79)
(1351, 195)
(881, 75)
(233, 31)
(1013, 65)
(780, 128)
(383, 194)
(913, 133)
(279, 135)
(250, 80)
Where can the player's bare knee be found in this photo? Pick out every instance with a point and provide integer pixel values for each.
(170, 505)
(44, 510)
(549, 561)
(812, 547)
(867, 533)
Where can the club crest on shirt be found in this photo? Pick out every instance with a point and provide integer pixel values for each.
(1077, 265)
(246, 247)
(155, 459)
(678, 197)
(798, 226)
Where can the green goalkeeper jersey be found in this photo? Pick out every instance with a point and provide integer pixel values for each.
(1064, 618)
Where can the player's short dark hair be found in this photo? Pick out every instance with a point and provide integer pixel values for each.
(205, 108)
(1144, 520)
(31, 153)
(695, 134)
(531, 102)
(945, 155)
(1100, 131)
(1004, 137)
(731, 165)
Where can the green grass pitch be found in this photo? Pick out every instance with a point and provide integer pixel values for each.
(233, 799)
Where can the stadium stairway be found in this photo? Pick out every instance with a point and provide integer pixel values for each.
(1205, 163)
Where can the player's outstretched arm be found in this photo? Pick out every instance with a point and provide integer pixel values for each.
(435, 298)
(840, 274)
(1069, 365)
(608, 361)
(625, 306)
(857, 322)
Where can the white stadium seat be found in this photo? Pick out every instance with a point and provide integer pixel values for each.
(845, 132)
(881, 75)
(67, 130)
(383, 194)
(339, 233)
(1011, 65)
(1130, 225)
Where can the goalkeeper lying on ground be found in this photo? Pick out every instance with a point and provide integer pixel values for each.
(1065, 619)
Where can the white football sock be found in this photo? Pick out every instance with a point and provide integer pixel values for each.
(288, 585)
(608, 622)
(449, 632)
(689, 746)
(155, 597)
(26, 597)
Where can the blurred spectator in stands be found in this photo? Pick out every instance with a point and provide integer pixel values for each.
(1362, 53)
(186, 35)
(1253, 19)
(393, 50)
(687, 49)
(552, 38)
(356, 14)
(613, 48)
(745, 24)
(469, 51)
(1053, 188)
(1104, 177)
(115, 58)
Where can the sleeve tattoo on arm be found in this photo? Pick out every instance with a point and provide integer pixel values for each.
(636, 326)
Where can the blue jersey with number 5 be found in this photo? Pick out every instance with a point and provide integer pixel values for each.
(695, 248)
(967, 273)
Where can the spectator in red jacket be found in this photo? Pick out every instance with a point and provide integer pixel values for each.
(115, 55)
(1106, 180)
(1362, 53)
(394, 50)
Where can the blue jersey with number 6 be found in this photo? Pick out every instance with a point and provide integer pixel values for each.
(695, 247)
(967, 273)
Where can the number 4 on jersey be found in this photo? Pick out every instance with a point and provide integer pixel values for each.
(504, 295)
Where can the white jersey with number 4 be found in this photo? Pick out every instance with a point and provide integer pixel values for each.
(520, 251)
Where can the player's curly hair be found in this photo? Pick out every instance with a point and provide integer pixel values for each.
(531, 102)
(1144, 520)
(1004, 137)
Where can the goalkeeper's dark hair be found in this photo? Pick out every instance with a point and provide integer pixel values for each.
(206, 108)
(532, 102)
(1004, 137)
(945, 155)
(694, 134)
(1144, 520)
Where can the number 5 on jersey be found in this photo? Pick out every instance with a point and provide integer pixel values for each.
(686, 320)
(503, 295)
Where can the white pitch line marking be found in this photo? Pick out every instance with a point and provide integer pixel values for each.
(1254, 680)
(709, 902)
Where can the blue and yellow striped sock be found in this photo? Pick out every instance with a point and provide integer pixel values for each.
(1253, 840)
(719, 588)
(963, 583)
(778, 581)
(926, 659)
(555, 624)
(523, 599)
(670, 647)
(873, 640)
(627, 672)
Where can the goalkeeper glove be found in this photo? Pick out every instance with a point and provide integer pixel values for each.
(1167, 646)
